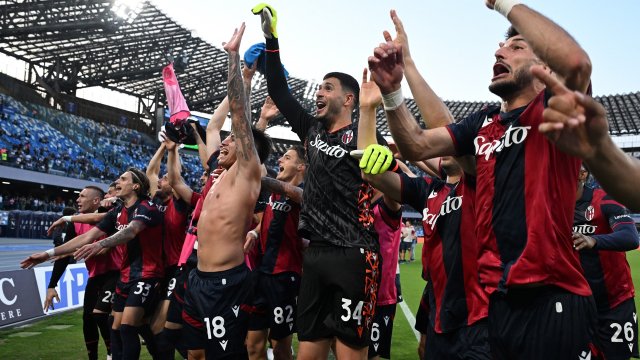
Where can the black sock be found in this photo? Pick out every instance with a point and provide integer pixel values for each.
(116, 342)
(130, 342)
(102, 319)
(149, 339)
(91, 335)
(166, 341)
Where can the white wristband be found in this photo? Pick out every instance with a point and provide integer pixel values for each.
(67, 218)
(392, 100)
(254, 233)
(51, 252)
(504, 6)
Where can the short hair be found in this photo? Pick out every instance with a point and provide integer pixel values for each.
(511, 32)
(113, 184)
(97, 189)
(141, 179)
(348, 83)
(262, 142)
(299, 149)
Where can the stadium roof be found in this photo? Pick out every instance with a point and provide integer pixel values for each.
(83, 43)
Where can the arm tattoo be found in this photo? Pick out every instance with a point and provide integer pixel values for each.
(284, 188)
(123, 236)
(240, 110)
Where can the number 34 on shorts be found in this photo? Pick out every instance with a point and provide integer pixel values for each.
(349, 314)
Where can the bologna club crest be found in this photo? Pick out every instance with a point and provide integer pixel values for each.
(347, 137)
(589, 213)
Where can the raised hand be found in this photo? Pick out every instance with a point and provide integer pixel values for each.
(269, 19)
(575, 122)
(34, 260)
(269, 109)
(402, 40)
(48, 301)
(370, 96)
(170, 145)
(234, 43)
(387, 67)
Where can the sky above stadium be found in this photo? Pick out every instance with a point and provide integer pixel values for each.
(452, 42)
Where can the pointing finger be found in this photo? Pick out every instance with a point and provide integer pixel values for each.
(552, 82)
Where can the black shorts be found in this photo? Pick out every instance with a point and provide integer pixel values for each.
(541, 323)
(381, 331)
(138, 293)
(169, 281)
(215, 315)
(338, 294)
(422, 316)
(176, 299)
(405, 246)
(469, 342)
(100, 292)
(274, 303)
(617, 331)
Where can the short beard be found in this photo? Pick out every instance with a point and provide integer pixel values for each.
(522, 78)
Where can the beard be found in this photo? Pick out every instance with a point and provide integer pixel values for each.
(522, 78)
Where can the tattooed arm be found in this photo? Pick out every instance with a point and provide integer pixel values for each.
(292, 192)
(247, 157)
(121, 237)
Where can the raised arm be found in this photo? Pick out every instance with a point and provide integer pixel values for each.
(277, 86)
(414, 143)
(551, 43)
(176, 181)
(272, 185)
(432, 109)
(213, 130)
(247, 160)
(370, 99)
(153, 168)
(268, 112)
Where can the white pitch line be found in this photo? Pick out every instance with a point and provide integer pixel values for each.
(410, 318)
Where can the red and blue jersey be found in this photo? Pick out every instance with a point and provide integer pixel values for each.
(176, 212)
(280, 243)
(450, 250)
(142, 258)
(607, 270)
(525, 198)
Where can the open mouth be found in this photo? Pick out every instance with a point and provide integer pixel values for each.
(320, 104)
(500, 69)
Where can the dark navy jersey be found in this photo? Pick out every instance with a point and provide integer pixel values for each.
(525, 198)
(279, 240)
(337, 205)
(142, 256)
(607, 272)
(450, 250)
(175, 212)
